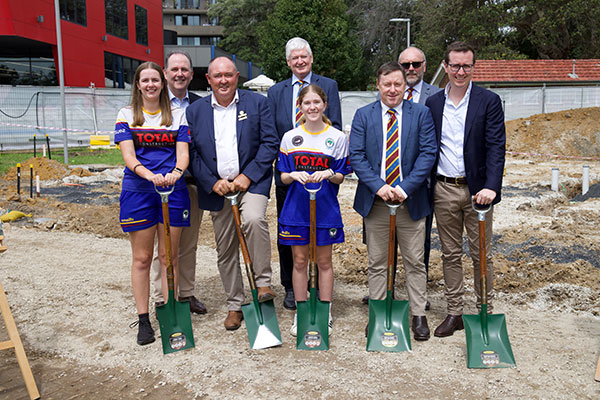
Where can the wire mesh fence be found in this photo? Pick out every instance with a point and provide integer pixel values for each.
(26, 111)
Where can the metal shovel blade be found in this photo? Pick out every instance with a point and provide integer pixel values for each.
(313, 323)
(261, 323)
(388, 325)
(488, 345)
(175, 323)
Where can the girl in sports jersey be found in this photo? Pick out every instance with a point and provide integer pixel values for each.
(153, 138)
(314, 152)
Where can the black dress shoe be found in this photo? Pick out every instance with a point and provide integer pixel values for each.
(451, 323)
(420, 328)
(427, 306)
(196, 306)
(367, 330)
(365, 300)
(289, 302)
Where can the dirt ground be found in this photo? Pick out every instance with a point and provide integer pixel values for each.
(66, 275)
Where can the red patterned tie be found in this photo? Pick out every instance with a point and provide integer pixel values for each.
(410, 96)
(298, 110)
(392, 158)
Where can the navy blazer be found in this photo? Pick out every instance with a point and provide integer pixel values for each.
(417, 156)
(485, 138)
(257, 142)
(426, 91)
(280, 101)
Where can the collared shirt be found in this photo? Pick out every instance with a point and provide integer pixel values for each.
(295, 90)
(452, 162)
(385, 118)
(225, 126)
(175, 101)
(416, 91)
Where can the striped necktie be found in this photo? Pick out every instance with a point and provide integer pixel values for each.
(410, 96)
(392, 162)
(298, 110)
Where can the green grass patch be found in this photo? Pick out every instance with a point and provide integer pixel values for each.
(76, 156)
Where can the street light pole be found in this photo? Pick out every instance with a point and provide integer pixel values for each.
(407, 20)
(61, 77)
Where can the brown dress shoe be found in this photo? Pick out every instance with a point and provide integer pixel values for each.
(451, 323)
(233, 320)
(265, 294)
(420, 328)
(196, 306)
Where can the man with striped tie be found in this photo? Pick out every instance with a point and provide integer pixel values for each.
(286, 111)
(392, 151)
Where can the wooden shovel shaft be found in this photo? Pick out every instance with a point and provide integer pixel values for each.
(246, 254)
(169, 256)
(482, 262)
(391, 244)
(313, 243)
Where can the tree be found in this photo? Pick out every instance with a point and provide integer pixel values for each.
(241, 20)
(325, 25)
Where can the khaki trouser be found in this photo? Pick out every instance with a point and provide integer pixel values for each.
(452, 206)
(188, 244)
(411, 235)
(253, 209)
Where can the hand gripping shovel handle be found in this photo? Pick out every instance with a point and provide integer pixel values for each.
(164, 198)
(482, 248)
(233, 198)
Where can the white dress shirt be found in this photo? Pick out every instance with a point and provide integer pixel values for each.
(296, 90)
(452, 162)
(416, 91)
(183, 103)
(225, 127)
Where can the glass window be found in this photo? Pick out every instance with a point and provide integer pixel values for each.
(28, 71)
(73, 11)
(141, 25)
(115, 12)
(119, 70)
(179, 20)
(182, 4)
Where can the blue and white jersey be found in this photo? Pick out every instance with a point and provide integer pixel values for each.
(155, 145)
(301, 150)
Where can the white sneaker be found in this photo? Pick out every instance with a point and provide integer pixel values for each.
(294, 328)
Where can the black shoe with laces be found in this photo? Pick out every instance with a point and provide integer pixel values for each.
(145, 331)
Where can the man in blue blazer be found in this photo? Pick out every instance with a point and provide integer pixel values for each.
(282, 100)
(396, 173)
(234, 144)
(471, 137)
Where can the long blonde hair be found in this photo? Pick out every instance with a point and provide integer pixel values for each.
(137, 101)
(318, 91)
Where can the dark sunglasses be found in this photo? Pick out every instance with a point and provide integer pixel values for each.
(415, 64)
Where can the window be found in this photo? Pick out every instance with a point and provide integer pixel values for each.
(141, 25)
(183, 20)
(188, 41)
(182, 4)
(115, 12)
(73, 11)
(119, 70)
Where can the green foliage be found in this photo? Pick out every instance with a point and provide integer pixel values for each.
(325, 25)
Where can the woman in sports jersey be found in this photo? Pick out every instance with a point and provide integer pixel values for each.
(153, 138)
(314, 152)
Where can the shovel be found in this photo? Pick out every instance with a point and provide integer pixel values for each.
(388, 319)
(261, 320)
(174, 317)
(313, 315)
(487, 339)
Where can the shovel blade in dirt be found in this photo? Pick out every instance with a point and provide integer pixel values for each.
(488, 345)
(388, 325)
(261, 323)
(313, 323)
(175, 323)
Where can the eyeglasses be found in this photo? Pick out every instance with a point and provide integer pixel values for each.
(456, 67)
(415, 64)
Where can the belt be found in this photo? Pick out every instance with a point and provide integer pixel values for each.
(459, 180)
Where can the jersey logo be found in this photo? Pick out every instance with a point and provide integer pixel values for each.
(329, 143)
(297, 140)
(153, 138)
(312, 162)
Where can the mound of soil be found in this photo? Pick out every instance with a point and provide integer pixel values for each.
(46, 169)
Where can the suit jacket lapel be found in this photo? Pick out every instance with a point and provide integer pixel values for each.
(240, 107)
(472, 110)
(407, 111)
(376, 128)
(209, 121)
(288, 93)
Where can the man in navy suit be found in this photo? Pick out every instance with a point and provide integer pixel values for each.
(282, 100)
(469, 125)
(179, 73)
(404, 181)
(234, 144)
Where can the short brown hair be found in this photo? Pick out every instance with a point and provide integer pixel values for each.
(460, 47)
(389, 67)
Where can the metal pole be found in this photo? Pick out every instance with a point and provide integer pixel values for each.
(61, 75)
(408, 33)
(93, 87)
